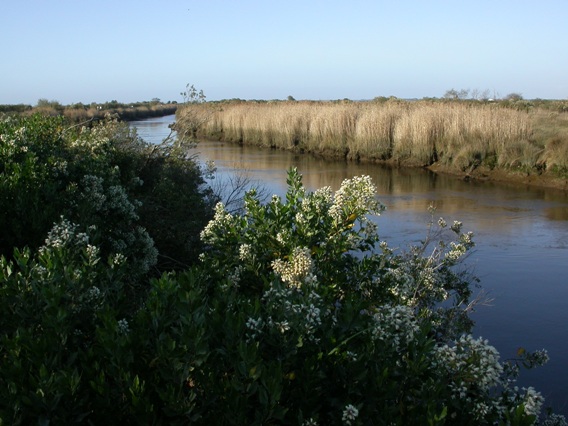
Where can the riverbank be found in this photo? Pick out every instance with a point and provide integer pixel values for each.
(484, 174)
(483, 141)
(78, 113)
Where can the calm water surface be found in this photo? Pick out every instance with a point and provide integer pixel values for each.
(521, 236)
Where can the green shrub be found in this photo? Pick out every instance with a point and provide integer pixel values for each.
(138, 197)
(297, 312)
(313, 319)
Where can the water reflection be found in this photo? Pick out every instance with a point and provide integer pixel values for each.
(485, 206)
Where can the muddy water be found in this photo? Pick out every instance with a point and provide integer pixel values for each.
(521, 236)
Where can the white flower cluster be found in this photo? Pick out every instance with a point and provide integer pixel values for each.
(297, 270)
(234, 276)
(123, 327)
(459, 249)
(395, 325)
(470, 363)
(93, 294)
(92, 253)
(13, 144)
(318, 202)
(59, 168)
(555, 420)
(428, 282)
(65, 234)
(118, 259)
(283, 236)
(216, 226)
(245, 252)
(350, 414)
(540, 357)
(114, 199)
(402, 285)
(356, 195)
(92, 140)
(285, 310)
(532, 401)
(255, 326)
(93, 191)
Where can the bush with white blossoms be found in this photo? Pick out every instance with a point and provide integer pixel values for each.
(297, 312)
(80, 212)
(340, 328)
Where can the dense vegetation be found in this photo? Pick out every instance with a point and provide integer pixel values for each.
(513, 135)
(121, 303)
(80, 112)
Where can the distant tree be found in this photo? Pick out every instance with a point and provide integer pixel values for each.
(42, 102)
(451, 94)
(454, 94)
(484, 96)
(513, 97)
(290, 98)
(380, 99)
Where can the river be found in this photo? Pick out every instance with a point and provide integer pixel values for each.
(521, 235)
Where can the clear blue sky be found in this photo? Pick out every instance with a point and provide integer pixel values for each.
(130, 50)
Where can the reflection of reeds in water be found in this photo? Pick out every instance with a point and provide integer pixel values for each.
(408, 190)
(462, 135)
(557, 213)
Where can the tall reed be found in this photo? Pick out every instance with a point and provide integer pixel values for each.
(460, 135)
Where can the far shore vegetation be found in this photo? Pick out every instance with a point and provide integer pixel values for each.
(80, 112)
(512, 137)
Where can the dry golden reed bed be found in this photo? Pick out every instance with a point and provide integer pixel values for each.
(460, 136)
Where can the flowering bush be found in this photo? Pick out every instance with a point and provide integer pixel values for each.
(135, 195)
(88, 204)
(323, 323)
(298, 312)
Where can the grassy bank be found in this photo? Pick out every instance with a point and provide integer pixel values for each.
(460, 137)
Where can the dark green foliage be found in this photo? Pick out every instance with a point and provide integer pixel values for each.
(295, 314)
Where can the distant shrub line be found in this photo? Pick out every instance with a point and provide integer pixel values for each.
(81, 112)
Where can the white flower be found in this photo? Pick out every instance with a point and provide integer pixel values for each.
(395, 325)
(350, 414)
(541, 357)
(93, 294)
(355, 196)
(123, 326)
(245, 252)
(555, 420)
(92, 252)
(533, 401)
(474, 360)
(456, 226)
(118, 259)
(297, 269)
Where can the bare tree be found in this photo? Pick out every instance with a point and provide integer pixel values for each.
(231, 187)
(192, 115)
